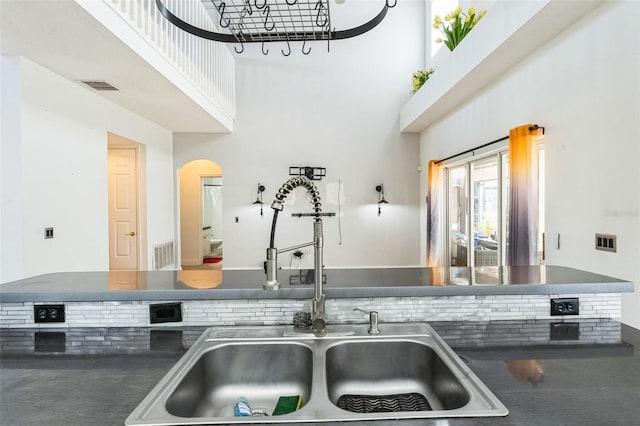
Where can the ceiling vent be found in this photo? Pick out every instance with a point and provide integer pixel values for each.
(100, 85)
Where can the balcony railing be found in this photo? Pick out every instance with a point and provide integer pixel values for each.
(208, 65)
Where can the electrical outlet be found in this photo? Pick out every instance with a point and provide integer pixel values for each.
(48, 313)
(565, 306)
(165, 312)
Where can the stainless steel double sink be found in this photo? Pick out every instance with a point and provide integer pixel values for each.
(407, 371)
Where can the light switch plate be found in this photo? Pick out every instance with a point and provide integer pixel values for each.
(606, 242)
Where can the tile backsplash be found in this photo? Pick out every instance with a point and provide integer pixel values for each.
(281, 311)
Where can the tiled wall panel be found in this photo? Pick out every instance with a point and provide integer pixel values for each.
(274, 312)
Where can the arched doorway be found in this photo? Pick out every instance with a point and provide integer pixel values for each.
(201, 236)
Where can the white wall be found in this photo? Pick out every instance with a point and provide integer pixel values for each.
(61, 150)
(10, 166)
(337, 110)
(583, 86)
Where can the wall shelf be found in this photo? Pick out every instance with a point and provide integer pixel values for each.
(506, 35)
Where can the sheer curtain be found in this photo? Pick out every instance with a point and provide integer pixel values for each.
(434, 238)
(522, 231)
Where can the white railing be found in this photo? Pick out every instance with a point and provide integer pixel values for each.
(207, 64)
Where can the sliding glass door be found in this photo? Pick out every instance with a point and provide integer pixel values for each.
(485, 211)
(476, 218)
(475, 211)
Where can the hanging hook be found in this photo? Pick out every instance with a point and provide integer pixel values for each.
(304, 42)
(247, 9)
(288, 46)
(264, 52)
(221, 10)
(260, 7)
(240, 39)
(319, 7)
(267, 10)
(394, 4)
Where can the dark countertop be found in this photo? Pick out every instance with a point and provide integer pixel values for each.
(587, 377)
(298, 284)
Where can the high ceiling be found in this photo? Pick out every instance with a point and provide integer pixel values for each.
(63, 37)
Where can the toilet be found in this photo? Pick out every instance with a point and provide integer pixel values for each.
(216, 246)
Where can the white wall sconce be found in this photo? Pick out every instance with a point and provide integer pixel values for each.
(381, 200)
(258, 200)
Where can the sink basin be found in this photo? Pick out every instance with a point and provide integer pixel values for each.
(391, 376)
(258, 372)
(407, 371)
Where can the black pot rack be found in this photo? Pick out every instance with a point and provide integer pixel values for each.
(263, 21)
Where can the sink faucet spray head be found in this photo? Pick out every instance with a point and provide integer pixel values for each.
(271, 282)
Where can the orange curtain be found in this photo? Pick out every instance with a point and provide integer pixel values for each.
(434, 240)
(522, 233)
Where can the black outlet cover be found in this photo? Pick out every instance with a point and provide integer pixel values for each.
(566, 306)
(166, 341)
(564, 331)
(49, 342)
(165, 312)
(48, 313)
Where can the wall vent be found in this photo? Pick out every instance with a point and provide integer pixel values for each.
(100, 85)
(163, 256)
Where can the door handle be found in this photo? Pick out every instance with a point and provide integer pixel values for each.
(131, 234)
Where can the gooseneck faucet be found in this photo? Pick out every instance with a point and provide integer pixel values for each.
(318, 325)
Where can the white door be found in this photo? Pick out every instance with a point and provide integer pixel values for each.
(123, 209)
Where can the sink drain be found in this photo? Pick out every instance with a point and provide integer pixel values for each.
(384, 403)
(259, 412)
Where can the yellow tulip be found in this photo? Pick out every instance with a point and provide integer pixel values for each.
(438, 40)
(472, 10)
(482, 13)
